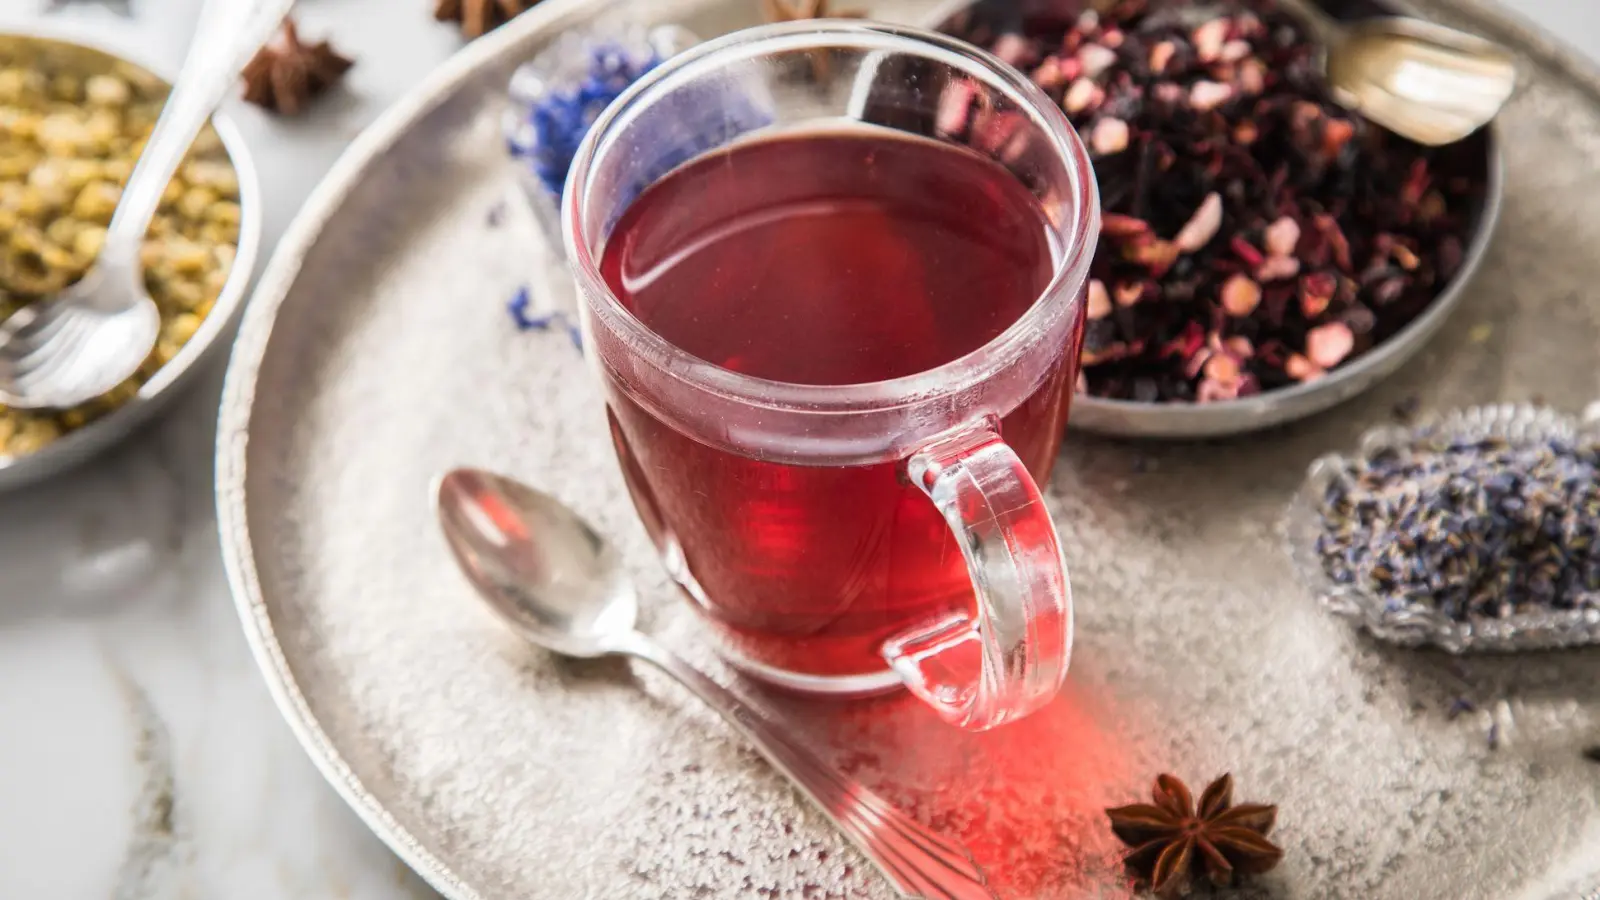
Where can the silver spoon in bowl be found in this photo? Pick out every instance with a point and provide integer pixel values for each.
(61, 351)
(559, 584)
(1432, 84)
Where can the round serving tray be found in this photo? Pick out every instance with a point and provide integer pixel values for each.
(378, 353)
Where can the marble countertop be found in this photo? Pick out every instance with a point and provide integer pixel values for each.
(141, 757)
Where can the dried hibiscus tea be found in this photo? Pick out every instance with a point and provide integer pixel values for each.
(1247, 207)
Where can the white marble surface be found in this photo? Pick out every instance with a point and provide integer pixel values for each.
(140, 756)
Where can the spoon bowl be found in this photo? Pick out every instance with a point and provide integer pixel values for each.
(537, 564)
(1432, 84)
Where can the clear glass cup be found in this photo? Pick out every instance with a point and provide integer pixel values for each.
(943, 466)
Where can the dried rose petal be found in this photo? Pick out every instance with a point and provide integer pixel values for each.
(1301, 369)
(1247, 252)
(993, 130)
(1083, 94)
(1276, 268)
(1152, 252)
(1246, 133)
(1161, 55)
(1388, 291)
(1209, 94)
(1212, 391)
(1170, 93)
(1129, 294)
(1222, 368)
(1334, 235)
(1110, 136)
(1282, 236)
(1186, 344)
(1013, 49)
(955, 106)
(1049, 74)
(1240, 296)
(1316, 293)
(1096, 59)
(1328, 345)
(1209, 38)
(1099, 300)
(1120, 226)
(1234, 50)
(1240, 346)
(1416, 183)
(1252, 77)
(1335, 135)
(1202, 226)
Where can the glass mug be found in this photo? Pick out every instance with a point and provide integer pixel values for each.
(851, 538)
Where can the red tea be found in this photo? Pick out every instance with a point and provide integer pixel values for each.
(824, 258)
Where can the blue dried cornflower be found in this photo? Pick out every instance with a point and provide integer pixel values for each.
(526, 319)
(558, 121)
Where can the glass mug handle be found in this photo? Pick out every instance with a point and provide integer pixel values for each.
(1010, 659)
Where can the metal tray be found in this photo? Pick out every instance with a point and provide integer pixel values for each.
(378, 353)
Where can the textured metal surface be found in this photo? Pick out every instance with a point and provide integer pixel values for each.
(84, 443)
(378, 353)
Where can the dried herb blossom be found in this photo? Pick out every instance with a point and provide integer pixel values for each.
(1256, 234)
(1468, 528)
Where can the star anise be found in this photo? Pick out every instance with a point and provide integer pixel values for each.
(1173, 840)
(800, 10)
(479, 17)
(283, 76)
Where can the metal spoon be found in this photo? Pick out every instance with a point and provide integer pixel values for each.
(68, 349)
(1432, 84)
(559, 584)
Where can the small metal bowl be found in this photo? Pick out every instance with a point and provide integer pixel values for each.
(78, 446)
(1127, 418)
(1534, 630)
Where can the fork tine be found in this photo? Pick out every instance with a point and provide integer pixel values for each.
(41, 348)
(42, 339)
(51, 359)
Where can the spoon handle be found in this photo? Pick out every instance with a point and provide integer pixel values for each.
(227, 34)
(916, 861)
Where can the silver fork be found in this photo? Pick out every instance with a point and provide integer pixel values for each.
(67, 349)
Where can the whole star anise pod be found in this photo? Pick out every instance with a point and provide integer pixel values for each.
(282, 77)
(1173, 840)
(479, 17)
(800, 10)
